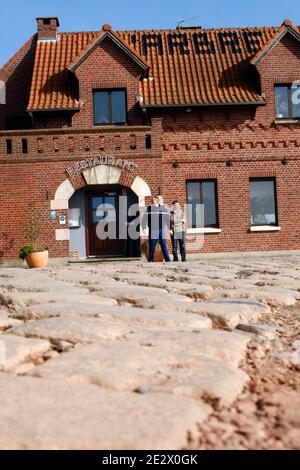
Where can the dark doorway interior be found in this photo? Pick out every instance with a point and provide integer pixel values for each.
(104, 203)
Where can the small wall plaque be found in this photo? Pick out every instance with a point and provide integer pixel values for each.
(74, 217)
(62, 220)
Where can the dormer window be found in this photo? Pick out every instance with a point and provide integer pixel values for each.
(110, 107)
(287, 100)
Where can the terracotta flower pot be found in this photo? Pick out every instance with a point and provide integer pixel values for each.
(158, 256)
(39, 259)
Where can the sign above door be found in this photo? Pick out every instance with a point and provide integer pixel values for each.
(97, 161)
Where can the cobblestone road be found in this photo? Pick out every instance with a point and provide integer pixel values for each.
(198, 355)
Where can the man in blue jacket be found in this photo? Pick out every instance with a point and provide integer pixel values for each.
(156, 218)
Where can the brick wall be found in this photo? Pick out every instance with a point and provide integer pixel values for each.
(281, 65)
(117, 70)
(25, 186)
(54, 120)
(200, 141)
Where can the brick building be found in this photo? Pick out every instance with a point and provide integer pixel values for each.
(206, 116)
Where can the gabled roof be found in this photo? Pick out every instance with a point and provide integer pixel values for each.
(188, 66)
(286, 28)
(108, 33)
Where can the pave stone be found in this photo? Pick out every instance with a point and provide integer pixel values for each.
(274, 297)
(40, 285)
(231, 312)
(24, 299)
(123, 313)
(268, 331)
(156, 367)
(296, 345)
(289, 358)
(290, 403)
(140, 295)
(16, 350)
(229, 347)
(75, 329)
(7, 322)
(65, 415)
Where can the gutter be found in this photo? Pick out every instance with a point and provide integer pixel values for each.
(204, 105)
(51, 110)
(150, 106)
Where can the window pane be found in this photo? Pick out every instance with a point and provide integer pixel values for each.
(193, 202)
(281, 98)
(110, 201)
(98, 215)
(263, 205)
(101, 107)
(96, 202)
(295, 98)
(209, 201)
(202, 204)
(118, 107)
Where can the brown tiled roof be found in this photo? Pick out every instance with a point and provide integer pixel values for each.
(107, 32)
(286, 28)
(190, 66)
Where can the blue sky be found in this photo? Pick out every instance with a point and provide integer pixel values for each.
(17, 20)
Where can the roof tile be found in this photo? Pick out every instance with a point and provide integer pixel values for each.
(190, 66)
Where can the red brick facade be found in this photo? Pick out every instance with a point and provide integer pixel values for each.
(229, 144)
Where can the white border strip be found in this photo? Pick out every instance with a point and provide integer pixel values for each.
(265, 228)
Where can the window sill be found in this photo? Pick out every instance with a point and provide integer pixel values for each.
(265, 228)
(287, 121)
(110, 124)
(195, 231)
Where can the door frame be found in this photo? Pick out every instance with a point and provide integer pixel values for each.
(98, 190)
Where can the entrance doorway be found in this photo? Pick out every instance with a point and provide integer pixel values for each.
(100, 205)
(104, 206)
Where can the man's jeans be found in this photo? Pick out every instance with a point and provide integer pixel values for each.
(154, 238)
(178, 237)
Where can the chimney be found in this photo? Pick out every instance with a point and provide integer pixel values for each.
(47, 28)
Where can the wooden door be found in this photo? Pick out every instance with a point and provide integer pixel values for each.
(103, 209)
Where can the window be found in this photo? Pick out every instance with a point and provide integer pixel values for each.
(263, 201)
(287, 100)
(202, 193)
(148, 141)
(9, 147)
(110, 107)
(24, 146)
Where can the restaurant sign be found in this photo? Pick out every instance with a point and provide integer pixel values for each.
(96, 161)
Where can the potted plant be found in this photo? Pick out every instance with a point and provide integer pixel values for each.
(158, 254)
(35, 257)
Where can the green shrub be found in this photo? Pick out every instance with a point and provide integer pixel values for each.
(25, 250)
(32, 227)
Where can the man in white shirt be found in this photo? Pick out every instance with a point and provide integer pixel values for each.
(177, 231)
